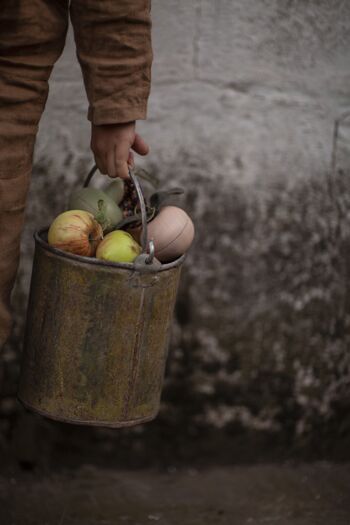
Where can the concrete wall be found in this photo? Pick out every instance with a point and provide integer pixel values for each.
(244, 98)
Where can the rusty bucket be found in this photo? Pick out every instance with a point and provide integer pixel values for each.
(96, 335)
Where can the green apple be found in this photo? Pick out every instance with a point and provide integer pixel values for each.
(118, 246)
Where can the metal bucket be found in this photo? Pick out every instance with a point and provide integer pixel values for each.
(96, 335)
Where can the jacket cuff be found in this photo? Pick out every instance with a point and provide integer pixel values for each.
(113, 115)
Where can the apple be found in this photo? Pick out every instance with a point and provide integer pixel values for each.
(75, 231)
(118, 246)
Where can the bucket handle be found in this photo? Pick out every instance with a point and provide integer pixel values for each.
(147, 247)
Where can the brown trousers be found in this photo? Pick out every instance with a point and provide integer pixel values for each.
(32, 47)
(114, 50)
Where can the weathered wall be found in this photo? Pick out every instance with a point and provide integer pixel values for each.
(243, 103)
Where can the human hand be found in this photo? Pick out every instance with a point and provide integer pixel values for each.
(111, 145)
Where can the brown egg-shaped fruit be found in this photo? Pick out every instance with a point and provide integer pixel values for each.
(172, 232)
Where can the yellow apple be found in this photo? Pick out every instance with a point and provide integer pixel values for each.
(118, 246)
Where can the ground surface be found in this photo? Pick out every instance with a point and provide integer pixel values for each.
(315, 494)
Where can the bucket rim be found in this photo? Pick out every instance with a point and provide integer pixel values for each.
(97, 262)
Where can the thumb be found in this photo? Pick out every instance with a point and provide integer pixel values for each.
(140, 145)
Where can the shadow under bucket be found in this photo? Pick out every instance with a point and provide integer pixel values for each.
(96, 338)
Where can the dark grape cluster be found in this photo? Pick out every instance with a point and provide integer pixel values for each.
(129, 204)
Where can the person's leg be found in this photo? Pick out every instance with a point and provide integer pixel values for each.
(32, 36)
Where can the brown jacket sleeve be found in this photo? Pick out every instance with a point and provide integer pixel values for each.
(113, 39)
